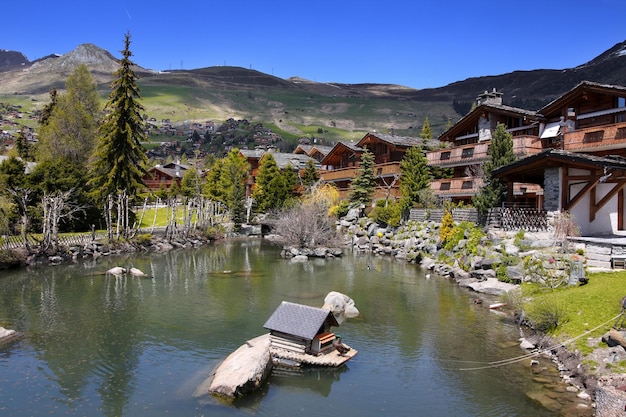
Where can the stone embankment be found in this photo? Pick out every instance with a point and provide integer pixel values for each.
(96, 249)
(490, 264)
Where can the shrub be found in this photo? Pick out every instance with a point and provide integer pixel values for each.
(387, 215)
(340, 209)
(447, 226)
(546, 317)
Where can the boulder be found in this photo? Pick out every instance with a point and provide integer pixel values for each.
(492, 286)
(341, 306)
(242, 371)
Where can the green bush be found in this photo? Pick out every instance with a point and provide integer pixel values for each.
(546, 316)
(389, 215)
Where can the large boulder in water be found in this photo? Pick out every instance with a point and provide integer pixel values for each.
(341, 306)
(242, 371)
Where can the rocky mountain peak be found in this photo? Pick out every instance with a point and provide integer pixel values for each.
(10, 60)
(97, 59)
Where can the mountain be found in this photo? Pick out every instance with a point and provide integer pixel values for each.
(298, 106)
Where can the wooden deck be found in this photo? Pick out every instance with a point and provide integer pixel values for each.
(332, 358)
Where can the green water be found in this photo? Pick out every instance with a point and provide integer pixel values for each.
(96, 345)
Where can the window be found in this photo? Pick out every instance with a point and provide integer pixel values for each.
(445, 156)
(445, 186)
(621, 104)
(467, 153)
(593, 136)
(467, 185)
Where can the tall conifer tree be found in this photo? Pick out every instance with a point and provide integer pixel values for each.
(500, 153)
(363, 185)
(119, 161)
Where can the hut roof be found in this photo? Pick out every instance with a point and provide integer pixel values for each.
(299, 320)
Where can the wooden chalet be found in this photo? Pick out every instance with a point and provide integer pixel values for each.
(469, 139)
(583, 167)
(164, 176)
(297, 162)
(342, 163)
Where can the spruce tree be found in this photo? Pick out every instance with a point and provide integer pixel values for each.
(270, 189)
(119, 161)
(363, 185)
(415, 176)
(500, 153)
(310, 176)
(427, 131)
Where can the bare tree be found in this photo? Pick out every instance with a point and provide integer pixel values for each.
(57, 206)
(306, 225)
(22, 197)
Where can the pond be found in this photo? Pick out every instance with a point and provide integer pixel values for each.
(96, 345)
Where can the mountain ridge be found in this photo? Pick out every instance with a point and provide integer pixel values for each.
(294, 103)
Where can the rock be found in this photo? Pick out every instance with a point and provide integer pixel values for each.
(526, 344)
(492, 286)
(242, 371)
(340, 305)
(300, 258)
(5, 333)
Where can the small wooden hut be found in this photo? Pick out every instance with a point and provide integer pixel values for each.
(301, 329)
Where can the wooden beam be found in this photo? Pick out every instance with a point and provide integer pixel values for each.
(571, 202)
(595, 207)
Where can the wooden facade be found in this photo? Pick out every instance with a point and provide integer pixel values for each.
(583, 169)
(342, 163)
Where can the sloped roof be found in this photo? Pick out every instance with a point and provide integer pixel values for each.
(531, 169)
(471, 118)
(403, 141)
(579, 90)
(297, 161)
(299, 320)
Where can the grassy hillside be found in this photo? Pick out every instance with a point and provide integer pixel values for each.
(293, 108)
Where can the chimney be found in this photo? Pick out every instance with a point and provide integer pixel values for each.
(493, 97)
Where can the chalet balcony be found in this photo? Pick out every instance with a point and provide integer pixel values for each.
(596, 138)
(465, 186)
(156, 184)
(347, 174)
(476, 153)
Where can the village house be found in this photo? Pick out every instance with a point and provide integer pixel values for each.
(164, 176)
(469, 139)
(341, 163)
(284, 160)
(582, 168)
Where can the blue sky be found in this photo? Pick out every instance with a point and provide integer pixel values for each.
(415, 43)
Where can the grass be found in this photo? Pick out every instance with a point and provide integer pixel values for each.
(581, 308)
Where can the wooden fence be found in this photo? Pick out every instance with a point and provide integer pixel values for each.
(34, 240)
(504, 218)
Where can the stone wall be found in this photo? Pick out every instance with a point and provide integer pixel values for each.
(610, 396)
(551, 187)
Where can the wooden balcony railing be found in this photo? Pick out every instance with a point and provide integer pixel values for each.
(465, 186)
(477, 152)
(385, 170)
(596, 138)
(156, 184)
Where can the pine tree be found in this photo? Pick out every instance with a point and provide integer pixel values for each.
(364, 184)
(119, 161)
(310, 176)
(234, 173)
(427, 131)
(415, 176)
(500, 153)
(270, 189)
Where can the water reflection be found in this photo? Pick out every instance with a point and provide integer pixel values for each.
(101, 345)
